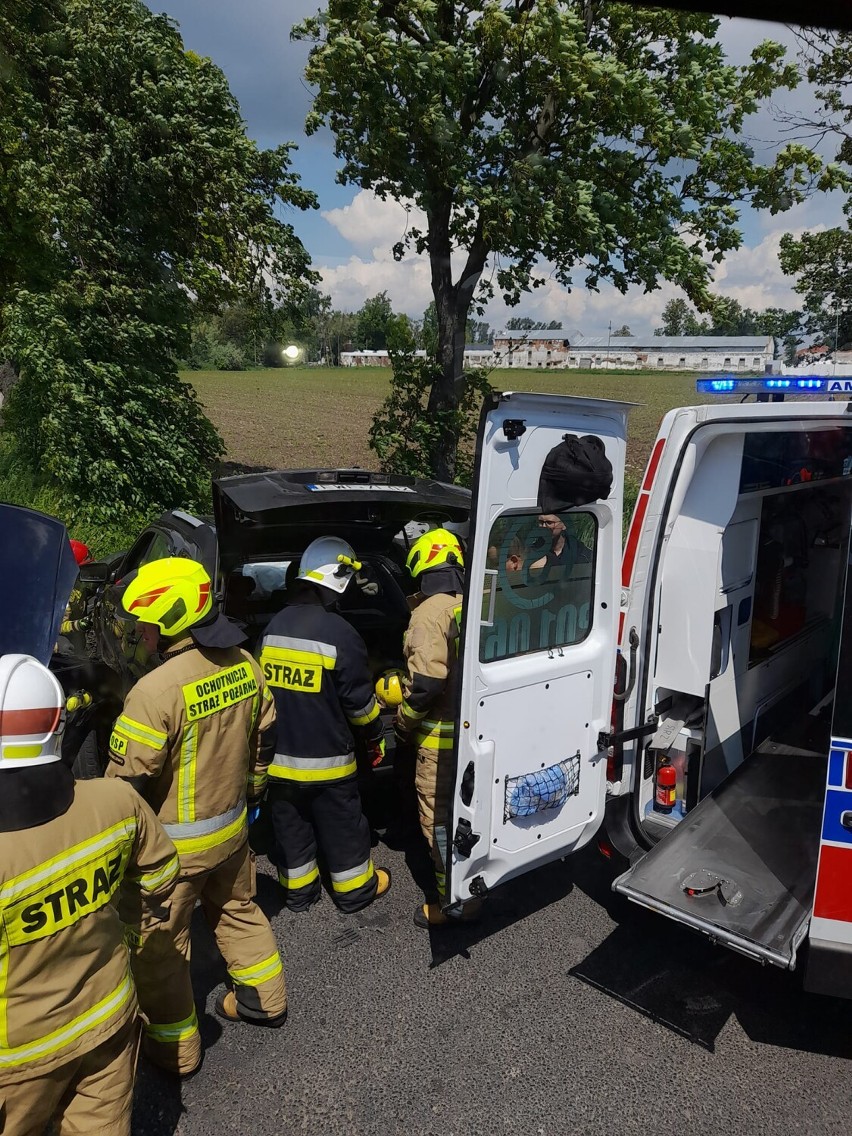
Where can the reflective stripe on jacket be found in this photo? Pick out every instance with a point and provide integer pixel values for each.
(195, 737)
(316, 666)
(430, 649)
(65, 985)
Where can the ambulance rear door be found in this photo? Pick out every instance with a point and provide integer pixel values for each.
(537, 649)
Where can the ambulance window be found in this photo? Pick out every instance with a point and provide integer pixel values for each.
(544, 585)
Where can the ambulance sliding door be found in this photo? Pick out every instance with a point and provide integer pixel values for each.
(538, 647)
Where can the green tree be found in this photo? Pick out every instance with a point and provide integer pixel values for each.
(373, 320)
(525, 323)
(127, 186)
(622, 331)
(599, 136)
(478, 331)
(679, 318)
(822, 261)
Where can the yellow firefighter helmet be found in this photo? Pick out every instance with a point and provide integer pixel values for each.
(173, 593)
(389, 688)
(432, 550)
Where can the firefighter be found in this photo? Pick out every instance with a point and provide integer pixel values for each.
(193, 739)
(316, 665)
(69, 1011)
(426, 717)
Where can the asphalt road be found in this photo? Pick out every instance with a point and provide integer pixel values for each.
(565, 1010)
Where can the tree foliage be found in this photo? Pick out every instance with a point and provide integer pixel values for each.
(822, 261)
(622, 331)
(404, 433)
(728, 317)
(598, 136)
(525, 323)
(371, 331)
(127, 188)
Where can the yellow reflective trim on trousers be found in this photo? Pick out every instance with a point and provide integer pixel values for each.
(293, 883)
(186, 775)
(173, 1031)
(137, 732)
(192, 844)
(152, 881)
(57, 1040)
(259, 973)
(123, 829)
(335, 773)
(435, 743)
(355, 882)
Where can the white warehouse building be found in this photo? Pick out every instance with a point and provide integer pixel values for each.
(712, 353)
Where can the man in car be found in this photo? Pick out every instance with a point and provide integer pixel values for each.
(316, 665)
(193, 739)
(427, 714)
(565, 550)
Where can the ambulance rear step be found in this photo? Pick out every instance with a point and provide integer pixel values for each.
(741, 866)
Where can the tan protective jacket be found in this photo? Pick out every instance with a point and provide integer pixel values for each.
(430, 649)
(190, 738)
(65, 984)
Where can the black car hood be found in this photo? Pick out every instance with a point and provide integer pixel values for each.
(37, 570)
(271, 515)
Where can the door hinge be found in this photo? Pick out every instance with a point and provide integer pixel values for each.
(605, 740)
(513, 428)
(464, 839)
(478, 887)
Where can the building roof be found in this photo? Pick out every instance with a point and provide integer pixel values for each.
(578, 341)
(673, 342)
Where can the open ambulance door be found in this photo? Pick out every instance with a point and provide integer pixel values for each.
(537, 650)
(829, 966)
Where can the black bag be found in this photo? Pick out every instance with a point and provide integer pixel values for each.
(575, 472)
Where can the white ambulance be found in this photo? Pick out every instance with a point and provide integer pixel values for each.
(716, 771)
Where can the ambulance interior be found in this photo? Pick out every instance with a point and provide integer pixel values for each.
(742, 638)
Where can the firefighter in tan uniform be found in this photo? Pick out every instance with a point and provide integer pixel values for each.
(69, 1027)
(427, 714)
(193, 739)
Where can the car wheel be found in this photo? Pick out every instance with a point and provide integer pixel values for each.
(88, 763)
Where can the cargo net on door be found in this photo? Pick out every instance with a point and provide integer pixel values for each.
(549, 788)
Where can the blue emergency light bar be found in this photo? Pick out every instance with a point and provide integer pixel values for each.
(787, 384)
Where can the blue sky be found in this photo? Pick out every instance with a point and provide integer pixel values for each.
(350, 237)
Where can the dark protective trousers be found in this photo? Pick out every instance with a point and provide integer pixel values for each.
(329, 815)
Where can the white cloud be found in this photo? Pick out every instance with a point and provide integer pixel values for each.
(752, 274)
(370, 223)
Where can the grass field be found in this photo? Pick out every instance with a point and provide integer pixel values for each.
(314, 416)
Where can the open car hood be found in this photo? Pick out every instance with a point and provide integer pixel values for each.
(265, 516)
(38, 570)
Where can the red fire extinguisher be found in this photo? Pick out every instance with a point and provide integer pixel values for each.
(666, 787)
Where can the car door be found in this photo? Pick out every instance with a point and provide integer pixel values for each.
(537, 648)
(117, 634)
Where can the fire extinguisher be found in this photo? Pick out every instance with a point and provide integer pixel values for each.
(665, 793)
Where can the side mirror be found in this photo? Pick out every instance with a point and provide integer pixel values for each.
(95, 574)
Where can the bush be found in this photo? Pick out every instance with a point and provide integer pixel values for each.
(99, 412)
(231, 358)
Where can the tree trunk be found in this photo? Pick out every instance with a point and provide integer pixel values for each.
(452, 306)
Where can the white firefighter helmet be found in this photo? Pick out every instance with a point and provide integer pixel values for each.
(32, 707)
(329, 562)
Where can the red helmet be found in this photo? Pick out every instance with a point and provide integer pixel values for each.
(81, 552)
